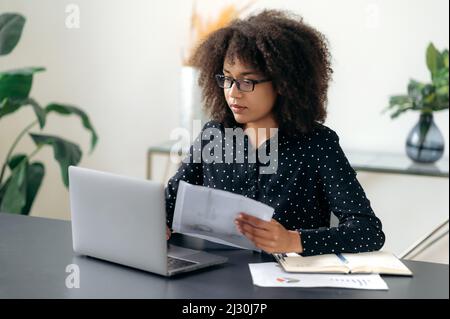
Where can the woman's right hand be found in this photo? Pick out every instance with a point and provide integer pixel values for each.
(168, 232)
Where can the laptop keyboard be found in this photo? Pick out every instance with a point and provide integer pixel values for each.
(175, 263)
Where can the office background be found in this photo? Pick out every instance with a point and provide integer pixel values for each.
(123, 65)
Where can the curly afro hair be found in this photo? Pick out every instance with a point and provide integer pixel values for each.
(282, 47)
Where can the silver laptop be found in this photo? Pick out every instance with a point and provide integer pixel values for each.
(123, 220)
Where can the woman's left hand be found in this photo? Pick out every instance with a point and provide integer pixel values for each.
(269, 236)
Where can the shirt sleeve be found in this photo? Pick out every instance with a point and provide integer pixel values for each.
(359, 230)
(190, 171)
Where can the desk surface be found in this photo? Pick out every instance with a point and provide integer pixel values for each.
(34, 253)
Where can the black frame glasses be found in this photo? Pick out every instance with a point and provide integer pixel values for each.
(244, 85)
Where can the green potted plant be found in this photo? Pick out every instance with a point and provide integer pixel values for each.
(20, 176)
(425, 143)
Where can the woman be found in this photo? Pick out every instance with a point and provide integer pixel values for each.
(272, 70)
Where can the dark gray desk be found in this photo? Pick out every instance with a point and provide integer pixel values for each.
(34, 253)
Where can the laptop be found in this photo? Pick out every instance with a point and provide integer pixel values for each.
(123, 220)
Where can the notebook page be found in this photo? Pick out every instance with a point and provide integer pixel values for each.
(319, 263)
(377, 262)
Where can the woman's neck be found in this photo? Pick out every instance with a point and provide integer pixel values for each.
(260, 131)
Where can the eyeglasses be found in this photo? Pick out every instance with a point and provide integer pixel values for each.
(244, 85)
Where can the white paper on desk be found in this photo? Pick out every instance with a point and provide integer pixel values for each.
(271, 275)
(209, 214)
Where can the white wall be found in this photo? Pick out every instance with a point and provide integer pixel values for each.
(114, 67)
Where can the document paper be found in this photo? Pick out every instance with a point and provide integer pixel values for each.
(209, 214)
(271, 275)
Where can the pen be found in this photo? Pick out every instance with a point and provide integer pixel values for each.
(342, 258)
(276, 257)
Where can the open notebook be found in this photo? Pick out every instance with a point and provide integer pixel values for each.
(380, 262)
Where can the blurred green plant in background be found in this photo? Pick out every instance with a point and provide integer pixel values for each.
(18, 190)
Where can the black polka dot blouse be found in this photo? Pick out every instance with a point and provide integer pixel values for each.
(313, 179)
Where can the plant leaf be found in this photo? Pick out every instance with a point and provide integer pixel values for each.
(39, 111)
(15, 192)
(398, 104)
(16, 84)
(30, 70)
(35, 175)
(399, 100)
(434, 62)
(67, 110)
(415, 93)
(445, 58)
(15, 160)
(428, 95)
(2, 190)
(442, 92)
(11, 26)
(9, 106)
(400, 111)
(65, 152)
(441, 78)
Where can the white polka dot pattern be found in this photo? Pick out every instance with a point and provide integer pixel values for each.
(313, 180)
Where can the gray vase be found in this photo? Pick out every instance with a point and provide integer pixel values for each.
(425, 143)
